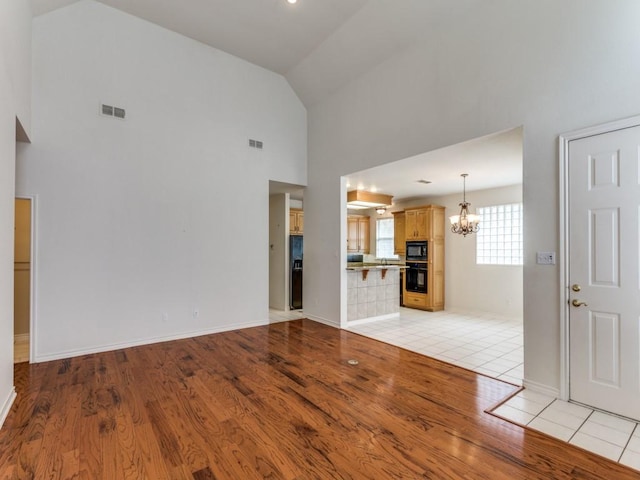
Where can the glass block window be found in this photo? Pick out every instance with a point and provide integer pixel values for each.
(499, 240)
(384, 238)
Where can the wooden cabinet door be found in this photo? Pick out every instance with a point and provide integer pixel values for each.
(352, 234)
(292, 222)
(410, 224)
(358, 236)
(422, 225)
(300, 222)
(364, 232)
(417, 224)
(399, 233)
(436, 274)
(296, 221)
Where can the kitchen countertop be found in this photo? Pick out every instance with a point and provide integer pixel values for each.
(374, 266)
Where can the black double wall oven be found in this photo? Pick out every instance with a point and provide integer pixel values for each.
(416, 261)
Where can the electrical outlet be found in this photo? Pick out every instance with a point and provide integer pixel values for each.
(165, 317)
(195, 313)
(546, 258)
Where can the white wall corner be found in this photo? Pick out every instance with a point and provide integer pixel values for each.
(331, 323)
(540, 388)
(6, 406)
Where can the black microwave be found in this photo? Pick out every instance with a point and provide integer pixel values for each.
(416, 251)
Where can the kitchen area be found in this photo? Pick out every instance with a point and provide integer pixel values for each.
(409, 272)
(457, 292)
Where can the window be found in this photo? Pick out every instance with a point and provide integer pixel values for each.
(499, 240)
(384, 238)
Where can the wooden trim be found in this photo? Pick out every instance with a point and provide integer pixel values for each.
(21, 338)
(363, 196)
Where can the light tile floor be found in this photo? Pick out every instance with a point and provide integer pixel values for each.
(608, 435)
(484, 343)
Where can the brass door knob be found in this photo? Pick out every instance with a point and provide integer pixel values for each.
(575, 287)
(578, 303)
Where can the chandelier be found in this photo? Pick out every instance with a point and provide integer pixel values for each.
(466, 222)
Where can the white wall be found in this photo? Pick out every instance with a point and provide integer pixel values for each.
(548, 66)
(15, 48)
(279, 251)
(15, 16)
(488, 288)
(142, 221)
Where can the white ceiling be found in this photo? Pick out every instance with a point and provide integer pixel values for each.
(491, 161)
(269, 33)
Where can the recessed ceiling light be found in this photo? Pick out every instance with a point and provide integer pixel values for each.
(292, 1)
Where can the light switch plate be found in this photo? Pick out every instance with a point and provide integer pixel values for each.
(546, 258)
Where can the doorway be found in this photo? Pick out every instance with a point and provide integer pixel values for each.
(483, 293)
(22, 268)
(286, 229)
(602, 266)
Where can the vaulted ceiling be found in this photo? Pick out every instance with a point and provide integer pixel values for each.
(318, 45)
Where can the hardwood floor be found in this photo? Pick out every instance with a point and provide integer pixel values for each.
(277, 402)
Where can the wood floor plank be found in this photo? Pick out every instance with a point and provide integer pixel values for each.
(278, 402)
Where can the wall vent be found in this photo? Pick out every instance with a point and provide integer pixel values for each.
(111, 111)
(255, 144)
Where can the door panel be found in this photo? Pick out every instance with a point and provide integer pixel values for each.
(604, 349)
(604, 234)
(605, 255)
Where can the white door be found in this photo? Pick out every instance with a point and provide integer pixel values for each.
(604, 271)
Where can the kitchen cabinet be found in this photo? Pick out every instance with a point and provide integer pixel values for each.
(296, 221)
(416, 224)
(433, 229)
(358, 234)
(399, 233)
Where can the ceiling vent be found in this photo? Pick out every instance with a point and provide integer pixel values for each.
(426, 182)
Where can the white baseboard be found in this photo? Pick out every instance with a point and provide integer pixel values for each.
(37, 358)
(389, 316)
(6, 407)
(540, 388)
(331, 323)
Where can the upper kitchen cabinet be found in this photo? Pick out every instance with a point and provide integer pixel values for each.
(399, 233)
(358, 234)
(296, 221)
(416, 225)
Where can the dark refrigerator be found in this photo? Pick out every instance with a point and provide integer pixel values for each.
(295, 272)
